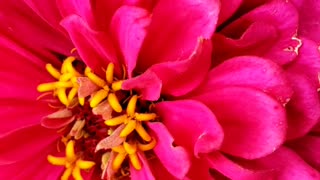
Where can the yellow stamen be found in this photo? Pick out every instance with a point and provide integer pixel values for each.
(98, 97)
(73, 92)
(76, 174)
(116, 121)
(70, 151)
(128, 129)
(130, 148)
(66, 77)
(87, 70)
(96, 79)
(142, 132)
(116, 86)
(145, 116)
(67, 62)
(135, 161)
(57, 161)
(53, 71)
(131, 108)
(118, 160)
(147, 147)
(85, 164)
(61, 92)
(67, 173)
(119, 149)
(114, 102)
(81, 101)
(46, 87)
(109, 73)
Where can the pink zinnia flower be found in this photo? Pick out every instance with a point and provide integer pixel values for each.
(142, 97)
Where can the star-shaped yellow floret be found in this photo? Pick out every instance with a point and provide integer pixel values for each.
(66, 79)
(108, 87)
(133, 120)
(72, 163)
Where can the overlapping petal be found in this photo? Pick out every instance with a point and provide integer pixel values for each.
(185, 116)
(128, 27)
(174, 32)
(268, 31)
(249, 71)
(95, 48)
(169, 154)
(252, 133)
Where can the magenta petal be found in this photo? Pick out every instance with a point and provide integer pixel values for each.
(36, 34)
(180, 77)
(23, 143)
(75, 7)
(268, 31)
(148, 85)
(233, 170)
(199, 170)
(249, 71)
(308, 61)
(309, 22)
(308, 148)
(94, 47)
(48, 11)
(20, 75)
(227, 9)
(128, 27)
(254, 124)
(168, 154)
(173, 32)
(288, 165)
(192, 125)
(145, 173)
(30, 167)
(304, 108)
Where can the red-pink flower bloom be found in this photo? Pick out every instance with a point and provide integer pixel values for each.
(176, 105)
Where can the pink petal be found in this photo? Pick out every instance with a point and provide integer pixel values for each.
(145, 173)
(199, 170)
(268, 31)
(23, 143)
(173, 32)
(288, 165)
(36, 35)
(75, 7)
(58, 119)
(169, 154)
(128, 27)
(111, 141)
(147, 84)
(20, 76)
(48, 11)
(86, 87)
(34, 167)
(159, 171)
(95, 48)
(193, 133)
(104, 109)
(303, 110)
(249, 71)
(308, 61)
(254, 124)
(309, 11)
(180, 77)
(233, 170)
(104, 10)
(227, 9)
(308, 148)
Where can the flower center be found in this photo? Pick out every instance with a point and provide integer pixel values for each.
(98, 130)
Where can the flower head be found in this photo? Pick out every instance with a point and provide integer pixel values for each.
(159, 90)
